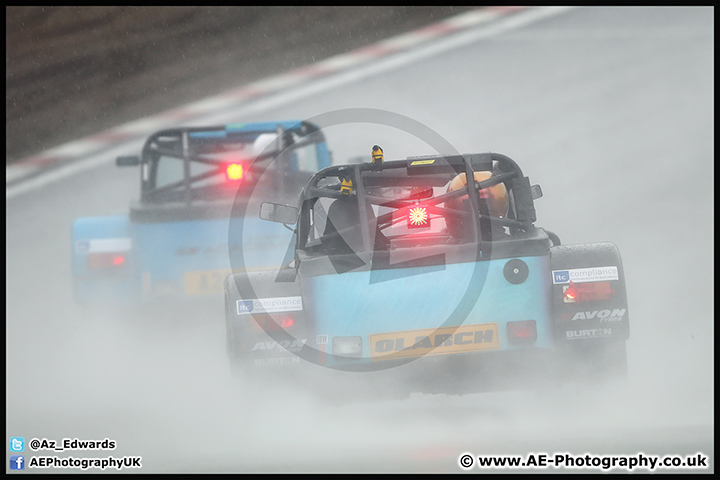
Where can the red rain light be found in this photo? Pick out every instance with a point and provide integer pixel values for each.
(118, 260)
(234, 171)
(418, 217)
(267, 322)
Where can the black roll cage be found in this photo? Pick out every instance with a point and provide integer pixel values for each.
(440, 168)
(175, 143)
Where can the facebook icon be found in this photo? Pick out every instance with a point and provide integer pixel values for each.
(17, 462)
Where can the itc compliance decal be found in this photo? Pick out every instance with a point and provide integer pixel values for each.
(269, 305)
(580, 275)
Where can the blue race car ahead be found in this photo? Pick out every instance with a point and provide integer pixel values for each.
(405, 266)
(173, 246)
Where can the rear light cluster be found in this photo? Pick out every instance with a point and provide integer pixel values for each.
(347, 346)
(105, 260)
(583, 292)
(274, 323)
(521, 331)
(105, 253)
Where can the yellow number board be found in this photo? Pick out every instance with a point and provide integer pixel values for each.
(207, 282)
(434, 341)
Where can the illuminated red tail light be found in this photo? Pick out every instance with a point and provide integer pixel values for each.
(583, 292)
(111, 260)
(274, 324)
(418, 217)
(521, 331)
(234, 171)
(570, 293)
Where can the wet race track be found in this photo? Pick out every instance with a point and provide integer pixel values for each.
(610, 110)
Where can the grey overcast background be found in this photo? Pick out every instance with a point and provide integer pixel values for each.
(609, 109)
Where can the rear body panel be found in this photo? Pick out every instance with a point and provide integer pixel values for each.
(418, 311)
(394, 315)
(469, 298)
(174, 245)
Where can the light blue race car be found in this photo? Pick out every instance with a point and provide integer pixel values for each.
(404, 266)
(172, 247)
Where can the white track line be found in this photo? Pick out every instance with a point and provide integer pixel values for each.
(61, 162)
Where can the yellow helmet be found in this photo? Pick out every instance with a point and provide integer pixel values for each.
(497, 196)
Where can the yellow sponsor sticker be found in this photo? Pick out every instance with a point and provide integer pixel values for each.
(434, 341)
(204, 282)
(423, 162)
